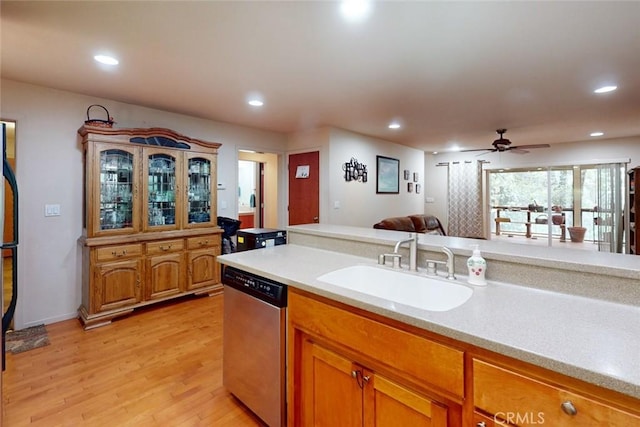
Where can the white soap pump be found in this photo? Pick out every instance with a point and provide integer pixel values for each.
(477, 268)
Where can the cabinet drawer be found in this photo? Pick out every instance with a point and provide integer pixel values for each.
(200, 242)
(111, 253)
(165, 246)
(417, 357)
(524, 401)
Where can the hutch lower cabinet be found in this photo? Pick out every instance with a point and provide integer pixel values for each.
(150, 225)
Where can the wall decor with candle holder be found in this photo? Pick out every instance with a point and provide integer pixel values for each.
(355, 171)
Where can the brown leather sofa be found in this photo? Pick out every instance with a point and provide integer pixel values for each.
(427, 224)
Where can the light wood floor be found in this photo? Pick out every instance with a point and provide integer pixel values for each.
(159, 367)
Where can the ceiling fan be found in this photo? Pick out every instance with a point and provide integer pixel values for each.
(503, 144)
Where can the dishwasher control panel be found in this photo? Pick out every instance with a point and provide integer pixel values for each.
(260, 287)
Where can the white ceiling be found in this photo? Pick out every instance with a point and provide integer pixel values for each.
(449, 71)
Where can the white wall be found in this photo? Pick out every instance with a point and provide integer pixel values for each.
(359, 205)
(584, 152)
(49, 170)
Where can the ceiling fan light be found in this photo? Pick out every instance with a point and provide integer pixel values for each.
(605, 89)
(106, 59)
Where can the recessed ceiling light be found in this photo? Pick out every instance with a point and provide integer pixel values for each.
(394, 125)
(107, 60)
(256, 103)
(605, 89)
(596, 133)
(435, 152)
(355, 10)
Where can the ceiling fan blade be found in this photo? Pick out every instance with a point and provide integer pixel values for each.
(526, 147)
(485, 153)
(477, 149)
(517, 150)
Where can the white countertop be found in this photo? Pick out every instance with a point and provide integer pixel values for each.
(589, 339)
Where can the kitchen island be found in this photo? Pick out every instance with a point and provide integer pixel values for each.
(555, 339)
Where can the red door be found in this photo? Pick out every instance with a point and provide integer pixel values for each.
(304, 188)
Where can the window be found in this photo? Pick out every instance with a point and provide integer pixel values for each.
(583, 195)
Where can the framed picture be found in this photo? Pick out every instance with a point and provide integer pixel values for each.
(415, 177)
(417, 188)
(388, 175)
(410, 187)
(406, 174)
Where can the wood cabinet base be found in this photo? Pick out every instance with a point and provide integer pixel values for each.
(350, 367)
(91, 321)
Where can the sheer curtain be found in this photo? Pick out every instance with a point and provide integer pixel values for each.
(465, 199)
(609, 223)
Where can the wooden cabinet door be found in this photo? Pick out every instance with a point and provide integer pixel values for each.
(200, 202)
(330, 395)
(164, 275)
(387, 403)
(117, 284)
(113, 197)
(204, 270)
(162, 189)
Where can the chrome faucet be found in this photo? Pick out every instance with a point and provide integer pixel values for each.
(450, 263)
(413, 250)
(396, 257)
(432, 269)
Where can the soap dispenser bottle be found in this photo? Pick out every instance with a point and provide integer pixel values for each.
(477, 268)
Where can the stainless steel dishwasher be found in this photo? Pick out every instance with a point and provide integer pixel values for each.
(253, 351)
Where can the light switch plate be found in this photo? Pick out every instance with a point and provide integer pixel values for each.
(51, 210)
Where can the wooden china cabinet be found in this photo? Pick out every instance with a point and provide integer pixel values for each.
(150, 224)
(634, 203)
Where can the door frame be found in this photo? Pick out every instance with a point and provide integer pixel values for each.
(321, 178)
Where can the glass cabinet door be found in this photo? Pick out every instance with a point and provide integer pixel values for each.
(199, 185)
(117, 186)
(161, 172)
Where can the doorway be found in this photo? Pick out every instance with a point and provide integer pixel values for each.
(257, 189)
(578, 207)
(7, 260)
(250, 188)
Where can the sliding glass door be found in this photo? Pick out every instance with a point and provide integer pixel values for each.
(578, 207)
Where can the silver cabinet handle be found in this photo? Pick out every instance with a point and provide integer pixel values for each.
(481, 424)
(568, 408)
